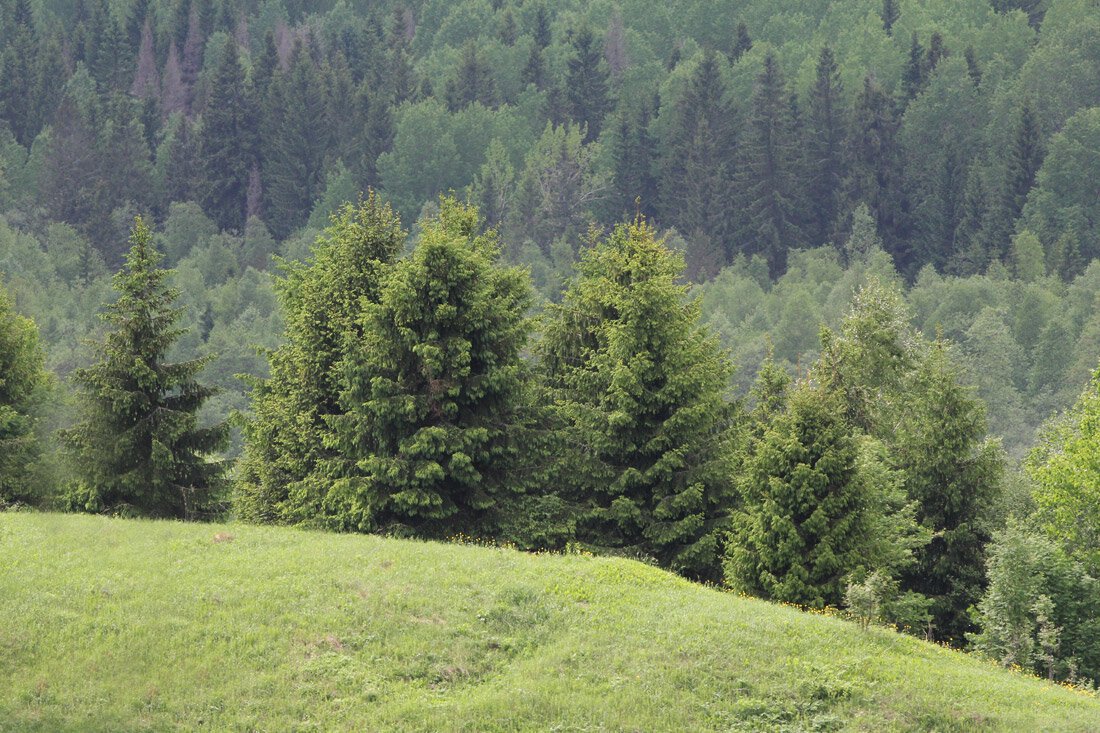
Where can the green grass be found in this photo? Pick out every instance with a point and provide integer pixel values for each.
(121, 625)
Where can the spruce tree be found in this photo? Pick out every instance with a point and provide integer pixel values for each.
(23, 383)
(281, 477)
(1023, 164)
(226, 142)
(298, 140)
(696, 176)
(954, 474)
(473, 81)
(768, 185)
(742, 43)
(633, 150)
(825, 149)
(434, 388)
(913, 77)
(587, 84)
(803, 528)
(640, 391)
(139, 448)
(890, 14)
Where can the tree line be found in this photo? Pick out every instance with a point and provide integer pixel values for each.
(759, 134)
(416, 396)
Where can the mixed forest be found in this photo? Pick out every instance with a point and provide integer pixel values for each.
(796, 297)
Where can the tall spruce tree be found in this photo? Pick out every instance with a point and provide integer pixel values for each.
(767, 176)
(139, 448)
(23, 383)
(435, 389)
(472, 82)
(282, 478)
(825, 150)
(1024, 160)
(297, 142)
(587, 84)
(953, 473)
(640, 390)
(227, 141)
(633, 151)
(696, 167)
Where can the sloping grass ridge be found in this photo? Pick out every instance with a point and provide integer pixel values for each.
(120, 625)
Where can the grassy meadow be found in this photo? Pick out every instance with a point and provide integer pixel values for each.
(122, 625)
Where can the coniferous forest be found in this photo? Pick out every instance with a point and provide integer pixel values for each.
(796, 298)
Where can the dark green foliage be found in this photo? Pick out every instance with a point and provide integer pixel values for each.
(434, 390)
(1024, 160)
(586, 84)
(890, 14)
(226, 143)
(954, 474)
(769, 185)
(280, 474)
(23, 385)
(742, 43)
(696, 182)
(293, 170)
(635, 183)
(473, 81)
(139, 448)
(826, 154)
(915, 75)
(639, 388)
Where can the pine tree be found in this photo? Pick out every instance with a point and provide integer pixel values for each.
(587, 84)
(913, 78)
(23, 384)
(146, 79)
(281, 479)
(226, 142)
(17, 97)
(541, 31)
(635, 186)
(766, 177)
(534, 72)
(639, 387)
(139, 447)
(970, 256)
(435, 388)
(954, 475)
(473, 81)
(826, 155)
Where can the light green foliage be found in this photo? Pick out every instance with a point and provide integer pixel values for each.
(640, 388)
(23, 385)
(433, 390)
(338, 632)
(1040, 611)
(139, 448)
(322, 303)
(1065, 466)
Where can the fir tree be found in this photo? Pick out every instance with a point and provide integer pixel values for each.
(534, 71)
(633, 151)
(890, 14)
(281, 479)
(639, 387)
(541, 31)
(742, 43)
(139, 447)
(435, 389)
(17, 93)
(587, 84)
(226, 142)
(913, 77)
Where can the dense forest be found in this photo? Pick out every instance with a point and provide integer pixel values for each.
(798, 297)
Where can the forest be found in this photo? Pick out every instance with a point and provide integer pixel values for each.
(796, 298)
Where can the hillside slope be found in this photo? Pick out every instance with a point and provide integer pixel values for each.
(128, 625)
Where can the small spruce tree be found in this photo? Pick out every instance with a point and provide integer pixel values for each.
(139, 448)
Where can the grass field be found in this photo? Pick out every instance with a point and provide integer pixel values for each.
(115, 625)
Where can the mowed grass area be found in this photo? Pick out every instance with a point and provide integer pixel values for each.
(120, 625)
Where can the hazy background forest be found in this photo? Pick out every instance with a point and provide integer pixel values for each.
(237, 127)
